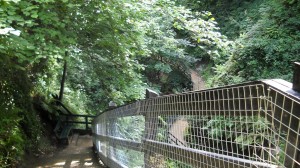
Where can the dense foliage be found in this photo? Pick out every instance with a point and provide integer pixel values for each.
(117, 48)
(265, 40)
(28, 38)
(111, 47)
(265, 36)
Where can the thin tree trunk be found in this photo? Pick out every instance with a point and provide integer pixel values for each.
(62, 84)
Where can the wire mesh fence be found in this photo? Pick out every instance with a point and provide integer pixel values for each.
(251, 125)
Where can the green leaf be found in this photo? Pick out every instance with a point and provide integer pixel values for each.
(34, 15)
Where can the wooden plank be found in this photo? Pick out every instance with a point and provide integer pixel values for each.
(119, 141)
(296, 77)
(151, 93)
(284, 101)
(65, 132)
(217, 102)
(79, 122)
(283, 87)
(78, 115)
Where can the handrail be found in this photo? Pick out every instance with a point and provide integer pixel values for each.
(71, 115)
(255, 124)
(70, 119)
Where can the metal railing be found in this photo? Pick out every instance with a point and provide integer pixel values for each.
(255, 124)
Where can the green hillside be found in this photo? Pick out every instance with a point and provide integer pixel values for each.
(115, 49)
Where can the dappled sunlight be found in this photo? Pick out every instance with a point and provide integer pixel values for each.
(88, 162)
(78, 153)
(60, 163)
(75, 163)
(71, 160)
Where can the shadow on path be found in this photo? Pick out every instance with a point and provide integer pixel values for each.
(78, 153)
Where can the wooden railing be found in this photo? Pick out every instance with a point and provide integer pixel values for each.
(255, 124)
(76, 119)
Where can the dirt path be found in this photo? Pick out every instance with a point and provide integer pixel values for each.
(78, 153)
(198, 82)
(179, 127)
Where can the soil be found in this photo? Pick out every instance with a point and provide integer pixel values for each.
(197, 80)
(179, 127)
(79, 153)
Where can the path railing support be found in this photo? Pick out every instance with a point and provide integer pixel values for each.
(296, 77)
(255, 124)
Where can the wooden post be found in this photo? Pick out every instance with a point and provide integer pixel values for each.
(296, 78)
(112, 105)
(62, 84)
(150, 93)
(112, 129)
(86, 123)
(150, 129)
(296, 87)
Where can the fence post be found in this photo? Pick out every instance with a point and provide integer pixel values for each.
(150, 129)
(111, 151)
(62, 84)
(86, 123)
(296, 87)
(112, 105)
(296, 78)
